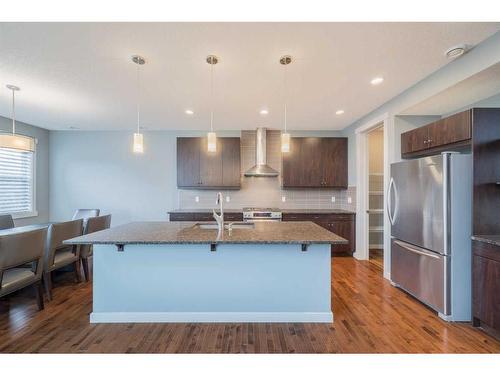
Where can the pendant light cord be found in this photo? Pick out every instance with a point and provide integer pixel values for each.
(286, 91)
(138, 99)
(211, 97)
(13, 112)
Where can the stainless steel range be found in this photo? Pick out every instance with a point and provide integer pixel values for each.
(252, 214)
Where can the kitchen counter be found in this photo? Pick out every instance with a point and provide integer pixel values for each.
(174, 272)
(492, 239)
(325, 211)
(285, 211)
(204, 211)
(296, 232)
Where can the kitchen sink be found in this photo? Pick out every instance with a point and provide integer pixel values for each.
(237, 225)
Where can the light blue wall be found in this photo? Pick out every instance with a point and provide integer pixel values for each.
(491, 102)
(479, 58)
(42, 167)
(98, 169)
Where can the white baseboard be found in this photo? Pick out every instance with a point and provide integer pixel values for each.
(211, 317)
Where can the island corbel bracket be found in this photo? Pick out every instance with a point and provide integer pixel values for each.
(120, 247)
(213, 247)
(304, 246)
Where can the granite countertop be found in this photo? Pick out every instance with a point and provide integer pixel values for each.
(316, 211)
(285, 211)
(493, 239)
(204, 211)
(296, 232)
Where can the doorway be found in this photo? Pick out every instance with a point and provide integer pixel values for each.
(376, 196)
(367, 202)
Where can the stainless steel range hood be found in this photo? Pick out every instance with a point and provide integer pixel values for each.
(261, 169)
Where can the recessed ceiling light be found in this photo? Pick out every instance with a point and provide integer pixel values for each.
(339, 112)
(189, 112)
(377, 81)
(264, 112)
(456, 51)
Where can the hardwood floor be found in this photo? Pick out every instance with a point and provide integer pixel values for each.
(371, 316)
(376, 257)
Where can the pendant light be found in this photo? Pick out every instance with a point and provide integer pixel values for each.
(285, 137)
(138, 147)
(211, 136)
(16, 141)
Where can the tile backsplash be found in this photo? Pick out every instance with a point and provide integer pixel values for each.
(267, 191)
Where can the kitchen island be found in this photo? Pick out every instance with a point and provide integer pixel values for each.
(186, 272)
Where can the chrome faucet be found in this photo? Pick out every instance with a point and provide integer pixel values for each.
(219, 218)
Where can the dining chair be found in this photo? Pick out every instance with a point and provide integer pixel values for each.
(6, 222)
(94, 224)
(17, 249)
(58, 254)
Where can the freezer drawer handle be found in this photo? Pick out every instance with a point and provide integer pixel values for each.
(414, 250)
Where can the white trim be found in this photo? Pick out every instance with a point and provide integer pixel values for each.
(362, 190)
(207, 317)
(24, 215)
(34, 210)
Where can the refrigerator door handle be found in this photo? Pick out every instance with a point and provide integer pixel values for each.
(389, 208)
(396, 200)
(415, 250)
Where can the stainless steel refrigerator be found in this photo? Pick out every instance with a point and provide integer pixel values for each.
(429, 206)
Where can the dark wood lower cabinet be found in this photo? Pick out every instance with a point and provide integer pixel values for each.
(486, 286)
(204, 216)
(343, 225)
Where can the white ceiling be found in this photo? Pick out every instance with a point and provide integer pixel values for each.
(80, 74)
(469, 91)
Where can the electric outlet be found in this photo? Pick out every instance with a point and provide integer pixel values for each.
(283, 199)
(228, 198)
(349, 200)
(197, 199)
(333, 199)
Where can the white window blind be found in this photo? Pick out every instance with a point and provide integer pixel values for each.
(16, 181)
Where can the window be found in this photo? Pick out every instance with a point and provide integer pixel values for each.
(17, 193)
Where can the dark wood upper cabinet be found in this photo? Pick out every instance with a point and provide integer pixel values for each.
(455, 128)
(188, 162)
(449, 133)
(415, 140)
(290, 159)
(315, 162)
(486, 171)
(200, 169)
(210, 164)
(334, 162)
(231, 163)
